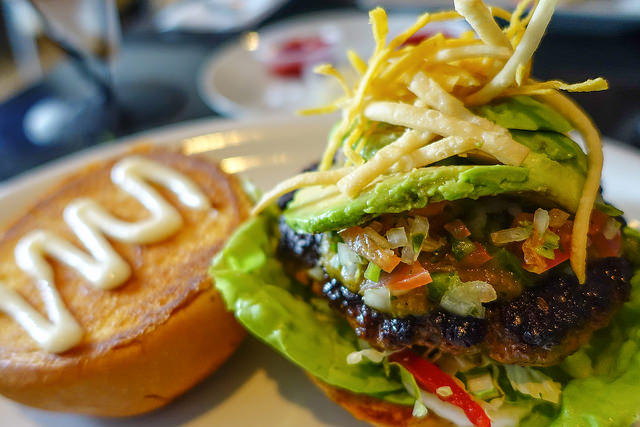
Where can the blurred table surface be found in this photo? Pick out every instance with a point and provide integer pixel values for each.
(593, 49)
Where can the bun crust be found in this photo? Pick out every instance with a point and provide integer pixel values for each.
(147, 341)
(376, 411)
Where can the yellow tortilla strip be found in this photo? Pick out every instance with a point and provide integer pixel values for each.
(521, 55)
(380, 163)
(479, 17)
(303, 180)
(591, 136)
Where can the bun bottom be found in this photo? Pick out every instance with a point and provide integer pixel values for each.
(140, 376)
(378, 412)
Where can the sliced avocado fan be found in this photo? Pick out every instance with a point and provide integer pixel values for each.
(554, 170)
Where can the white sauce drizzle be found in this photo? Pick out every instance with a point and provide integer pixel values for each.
(104, 267)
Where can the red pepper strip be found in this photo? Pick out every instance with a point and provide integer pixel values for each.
(430, 378)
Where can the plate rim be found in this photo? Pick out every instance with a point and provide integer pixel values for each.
(162, 135)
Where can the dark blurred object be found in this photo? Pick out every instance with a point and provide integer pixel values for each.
(616, 57)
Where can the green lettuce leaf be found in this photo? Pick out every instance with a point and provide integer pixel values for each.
(286, 316)
(610, 397)
(277, 310)
(631, 245)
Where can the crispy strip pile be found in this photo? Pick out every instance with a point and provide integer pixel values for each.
(427, 87)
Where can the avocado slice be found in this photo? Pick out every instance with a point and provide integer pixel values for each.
(555, 146)
(554, 170)
(524, 113)
(323, 208)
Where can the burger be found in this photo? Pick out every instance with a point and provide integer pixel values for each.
(450, 260)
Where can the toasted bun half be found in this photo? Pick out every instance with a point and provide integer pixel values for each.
(376, 411)
(152, 338)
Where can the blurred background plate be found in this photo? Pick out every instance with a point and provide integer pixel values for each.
(214, 15)
(242, 80)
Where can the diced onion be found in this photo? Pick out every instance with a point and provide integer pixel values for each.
(397, 237)
(368, 353)
(444, 391)
(347, 256)
(444, 409)
(541, 221)
(420, 225)
(466, 298)
(611, 228)
(361, 243)
(380, 241)
(419, 410)
(419, 230)
(408, 256)
(516, 234)
(378, 298)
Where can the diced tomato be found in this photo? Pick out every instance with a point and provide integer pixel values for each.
(565, 235)
(406, 277)
(429, 210)
(430, 378)
(533, 261)
(476, 258)
(600, 245)
(457, 229)
(603, 247)
(557, 217)
(560, 257)
(363, 245)
(597, 221)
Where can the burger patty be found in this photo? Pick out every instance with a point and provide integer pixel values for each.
(540, 327)
(552, 320)
(439, 328)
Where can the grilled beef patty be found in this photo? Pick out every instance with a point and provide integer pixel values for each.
(540, 327)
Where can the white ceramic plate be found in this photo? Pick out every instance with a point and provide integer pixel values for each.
(236, 82)
(257, 386)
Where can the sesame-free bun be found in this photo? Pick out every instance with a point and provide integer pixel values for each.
(376, 411)
(152, 338)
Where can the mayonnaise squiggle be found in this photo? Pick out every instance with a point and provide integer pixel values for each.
(103, 266)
